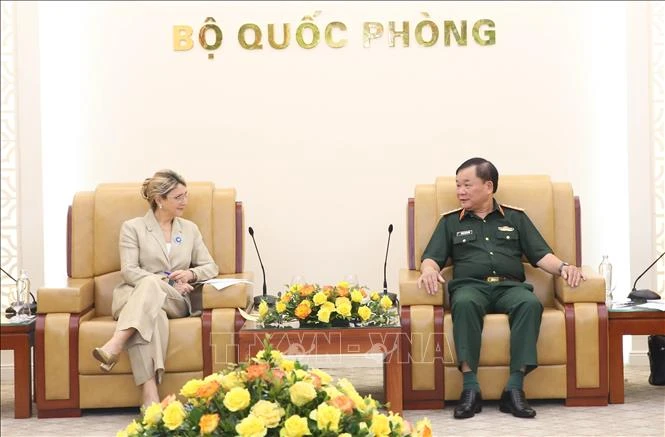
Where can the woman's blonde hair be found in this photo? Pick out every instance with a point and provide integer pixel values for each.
(159, 185)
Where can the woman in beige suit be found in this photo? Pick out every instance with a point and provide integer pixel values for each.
(161, 255)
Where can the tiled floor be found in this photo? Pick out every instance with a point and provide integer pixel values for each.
(643, 414)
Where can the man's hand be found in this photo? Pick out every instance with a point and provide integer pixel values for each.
(429, 278)
(572, 275)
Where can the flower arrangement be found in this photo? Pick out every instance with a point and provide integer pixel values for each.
(271, 396)
(311, 304)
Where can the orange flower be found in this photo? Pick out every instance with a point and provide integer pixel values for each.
(316, 381)
(256, 371)
(207, 390)
(208, 423)
(167, 400)
(278, 374)
(343, 403)
(306, 290)
(286, 297)
(342, 291)
(303, 310)
(327, 289)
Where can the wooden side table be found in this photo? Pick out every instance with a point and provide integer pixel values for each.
(19, 337)
(628, 322)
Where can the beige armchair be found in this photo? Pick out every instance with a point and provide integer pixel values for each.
(572, 345)
(76, 317)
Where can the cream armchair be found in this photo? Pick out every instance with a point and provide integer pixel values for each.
(572, 345)
(76, 317)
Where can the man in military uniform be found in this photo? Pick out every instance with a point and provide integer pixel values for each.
(486, 241)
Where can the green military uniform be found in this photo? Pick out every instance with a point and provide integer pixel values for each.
(484, 250)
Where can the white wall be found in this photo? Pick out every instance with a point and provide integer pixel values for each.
(324, 146)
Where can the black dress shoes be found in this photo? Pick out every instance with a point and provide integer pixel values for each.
(469, 404)
(514, 401)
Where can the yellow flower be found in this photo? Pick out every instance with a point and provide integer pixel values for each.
(380, 425)
(375, 296)
(325, 378)
(270, 412)
(364, 312)
(263, 309)
(345, 434)
(424, 428)
(232, 380)
(208, 423)
(174, 414)
(356, 296)
(397, 421)
(346, 387)
(329, 306)
(327, 417)
(295, 426)
(302, 392)
(301, 374)
(133, 428)
(191, 387)
(343, 284)
(324, 315)
(320, 298)
(287, 365)
(276, 356)
(217, 377)
(332, 391)
(286, 297)
(280, 307)
(237, 399)
(152, 415)
(295, 288)
(251, 426)
(386, 302)
(121, 433)
(343, 306)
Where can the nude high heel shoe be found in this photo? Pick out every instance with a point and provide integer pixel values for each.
(107, 360)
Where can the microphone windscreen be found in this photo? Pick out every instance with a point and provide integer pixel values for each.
(390, 228)
(251, 231)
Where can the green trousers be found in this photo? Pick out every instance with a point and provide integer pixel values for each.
(472, 299)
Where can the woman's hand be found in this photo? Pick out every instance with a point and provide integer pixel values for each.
(183, 288)
(182, 276)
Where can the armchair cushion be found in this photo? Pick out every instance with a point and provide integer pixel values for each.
(74, 297)
(592, 289)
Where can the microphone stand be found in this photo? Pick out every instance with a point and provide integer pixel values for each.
(641, 296)
(392, 296)
(8, 275)
(270, 300)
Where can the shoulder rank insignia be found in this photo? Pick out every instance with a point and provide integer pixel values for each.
(452, 211)
(512, 207)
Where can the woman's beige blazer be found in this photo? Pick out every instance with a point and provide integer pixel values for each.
(143, 252)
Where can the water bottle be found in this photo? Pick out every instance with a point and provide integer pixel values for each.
(23, 290)
(605, 270)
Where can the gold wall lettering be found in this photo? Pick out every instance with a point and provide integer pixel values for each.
(308, 34)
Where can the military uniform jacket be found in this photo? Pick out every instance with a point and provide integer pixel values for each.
(492, 246)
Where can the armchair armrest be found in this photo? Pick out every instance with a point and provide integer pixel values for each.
(73, 297)
(235, 296)
(410, 294)
(591, 290)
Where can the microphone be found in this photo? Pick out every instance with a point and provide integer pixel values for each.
(392, 296)
(270, 300)
(644, 294)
